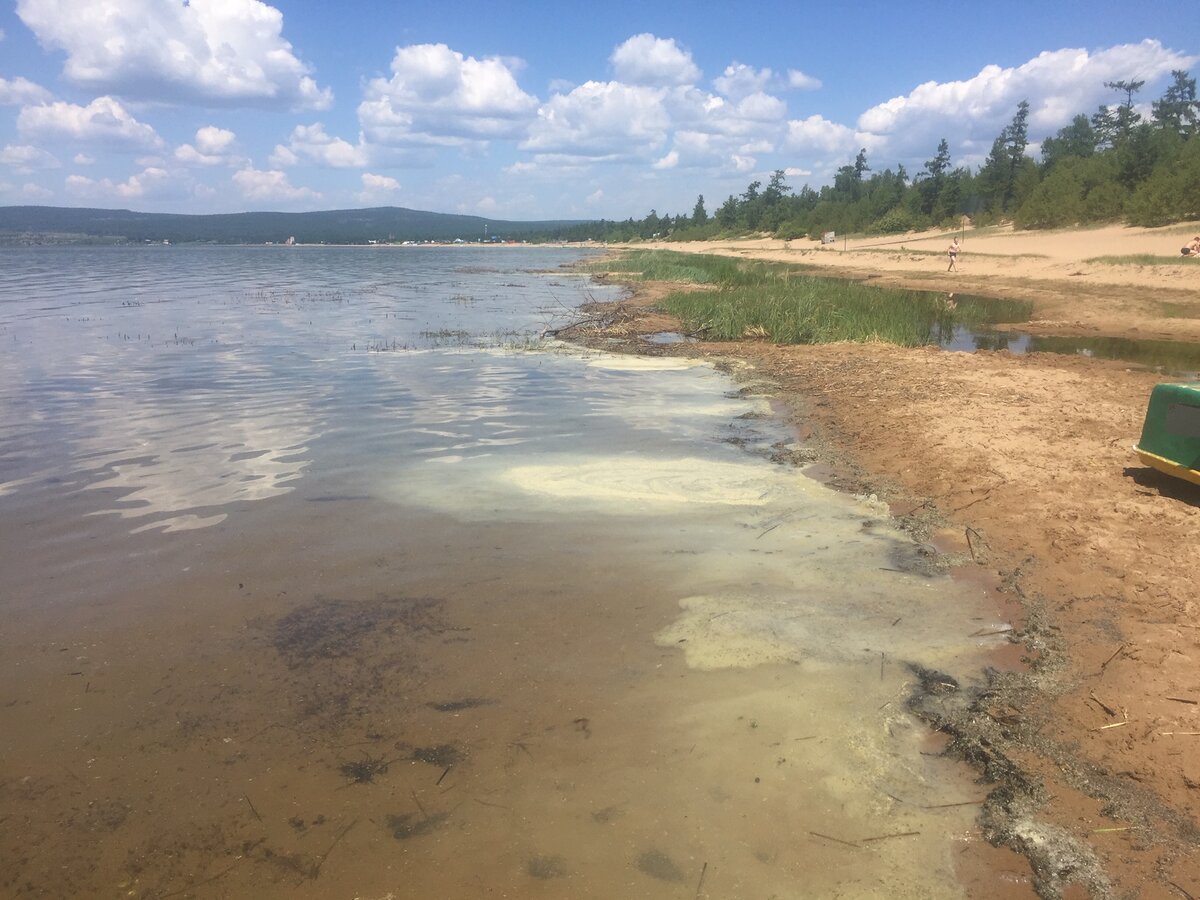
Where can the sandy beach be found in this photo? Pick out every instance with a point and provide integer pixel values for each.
(1020, 467)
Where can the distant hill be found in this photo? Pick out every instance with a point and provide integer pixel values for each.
(53, 224)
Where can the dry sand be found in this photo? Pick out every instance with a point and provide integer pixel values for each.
(1026, 461)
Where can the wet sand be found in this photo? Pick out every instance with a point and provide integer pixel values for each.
(1027, 460)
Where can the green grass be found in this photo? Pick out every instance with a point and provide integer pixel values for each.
(778, 301)
(667, 265)
(1180, 310)
(1144, 259)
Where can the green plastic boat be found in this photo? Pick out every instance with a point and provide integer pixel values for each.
(1171, 436)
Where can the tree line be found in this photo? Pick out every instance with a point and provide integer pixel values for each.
(1110, 166)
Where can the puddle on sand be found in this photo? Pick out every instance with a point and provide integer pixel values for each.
(1177, 358)
(534, 625)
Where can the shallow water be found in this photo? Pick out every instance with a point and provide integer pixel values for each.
(318, 581)
(1169, 357)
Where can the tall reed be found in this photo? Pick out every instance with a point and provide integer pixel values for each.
(783, 303)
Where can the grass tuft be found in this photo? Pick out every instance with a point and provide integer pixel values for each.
(1144, 259)
(777, 302)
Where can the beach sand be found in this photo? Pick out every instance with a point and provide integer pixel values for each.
(1023, 464)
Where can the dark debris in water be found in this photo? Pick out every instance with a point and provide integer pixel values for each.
(328, 629)
(459, 705)
(363, 771)
(933, 681)
(442, 755)
(546, 867)
(411, 825)
(658, 865)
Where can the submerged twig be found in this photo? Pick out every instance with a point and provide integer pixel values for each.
(835, 840)
(316, 869)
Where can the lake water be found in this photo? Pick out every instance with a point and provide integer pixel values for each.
(322, 577)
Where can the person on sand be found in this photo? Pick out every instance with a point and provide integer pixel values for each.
(952, 252)
(1193, 249)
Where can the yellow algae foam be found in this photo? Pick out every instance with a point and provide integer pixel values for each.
(643, 364)
(630, 479)
(822, 623)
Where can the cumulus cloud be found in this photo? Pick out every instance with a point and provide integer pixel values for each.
(213, 147)
(379, 182)
(311, 143)
(83, 159)
(25, 158)
(21, 92)
(801, 82)
(658, 62)
(150, 184)
(103, 121)
(601, 120)
(741, 81)
(1058, 85)
(670, 161)
(377, 188)
(271, 185)
(437, 96)
(820, 136)
(227, 52)
(30, 191)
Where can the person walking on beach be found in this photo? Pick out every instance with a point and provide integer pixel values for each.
(952, 252)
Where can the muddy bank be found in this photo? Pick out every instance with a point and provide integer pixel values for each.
(1023, 464)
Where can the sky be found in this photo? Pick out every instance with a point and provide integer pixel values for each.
(531, 111)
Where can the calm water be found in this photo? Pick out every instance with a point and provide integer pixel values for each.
(322, 578)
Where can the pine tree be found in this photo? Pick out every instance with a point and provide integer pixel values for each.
(1178, 110)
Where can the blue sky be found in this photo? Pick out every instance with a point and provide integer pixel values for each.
(532, 110)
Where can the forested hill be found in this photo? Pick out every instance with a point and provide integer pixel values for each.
(342, 226)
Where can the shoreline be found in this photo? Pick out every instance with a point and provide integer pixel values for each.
(1027, 461)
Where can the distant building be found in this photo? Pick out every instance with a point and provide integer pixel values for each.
(290, 242)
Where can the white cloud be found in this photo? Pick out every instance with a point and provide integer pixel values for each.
(214, 141)
(25, 158)
(438, 96)
(32, 191)
(255, 184)
(670, 161)
(1058, 84)
(741, 81)
(601, 120)
(818, 135)
(801, 82)
(658, 62)
(22, 92)
(82, 159)
(150, 184)
(103, 121)
(311, 143)
(379, 182)
(204, 51)
(742, 163)
(595, 196)
(213, 147)
(377, 188)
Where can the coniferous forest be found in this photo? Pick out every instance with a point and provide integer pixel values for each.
(1112, 166)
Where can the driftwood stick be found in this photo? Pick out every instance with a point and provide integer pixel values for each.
(835, 840)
